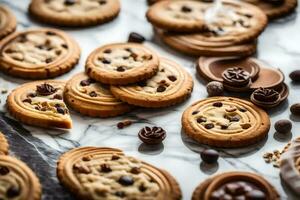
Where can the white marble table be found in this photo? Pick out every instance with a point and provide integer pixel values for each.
(279, 45)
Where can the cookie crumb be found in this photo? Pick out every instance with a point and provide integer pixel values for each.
(124, 124)
(274, 157)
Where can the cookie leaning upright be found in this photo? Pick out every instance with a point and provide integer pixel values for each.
(171, 85)
(107, 173)
(38, 53)
(92, 98)
(8, 22)
(122, 63)
(3, 145)
(40, 104)
(17, 180)
(225, 122)
(74, 12)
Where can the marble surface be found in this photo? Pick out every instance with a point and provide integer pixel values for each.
(40, 148)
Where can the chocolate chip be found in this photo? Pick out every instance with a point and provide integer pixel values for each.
(201, 119)
(27, 101)
(242, 109)
(121, 69)
(246, 125)
(256, 195)
(142, 188)
(186, 9)
(218, 104)
(248, 15)
(58, 96)
(126, 180)
(136, 38)
(45, 89)
(60, 110)
(295, 75)
(70, 2)
(105, 61)
(161, 88)
(172, 78)
(214, 88)
(224, 127)
(195, 112)
(13, 192)
(64, 46)
(209, 156)
(32, 95)
(234, 119)
(115, 157)
(209, 126)
(50, 33)
(23, 38)
(295, 109)
(120, 194)
(85, 83)
(102, 2)
(3, 170)
(86, 158)
(93, 94)
(48, 60)
(283, 126)
(107, 51)
(105, 168)
(135, 170)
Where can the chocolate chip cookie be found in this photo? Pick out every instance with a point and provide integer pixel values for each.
(171, 85)
(225, 122)
(74, 12)
(235, 185)
(122, 64)
(17, 180)
(3, 145)
(40, 104)
(106, 173)
(38, 53)
(8, 22)
(92, 98)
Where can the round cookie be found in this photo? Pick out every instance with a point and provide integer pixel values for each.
(38, 53)
(235, 185)
(74, 12)
(122, 63)
(225, 122)
(8, 22)
(40, 104)
(3, 145)
(178, 16)
(106, 173)
(171, 85)
(17, 181)
(290, 166)
(93, 99)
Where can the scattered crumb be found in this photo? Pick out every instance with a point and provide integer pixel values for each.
(124, 124)
(274, 157)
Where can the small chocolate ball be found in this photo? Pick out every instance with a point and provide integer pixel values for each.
(215, 88)
(295, 75)
(295, 109)
(209, 156)
(283, 126)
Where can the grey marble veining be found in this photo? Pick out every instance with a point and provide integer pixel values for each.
(40, 148)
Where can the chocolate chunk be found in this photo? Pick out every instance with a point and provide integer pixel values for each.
(65, 46)
(27, 101)
(201, 119)
(126, 180)
(218, 104)
(102, 2)
(86, 82)
(104, 61)
(108, 51)
(3, 170)
(60, 110)
(86, 158)
(295, 75)
(121, 69)
(246, 125)
(136, 38)
(256, 195)
(295, 109)
(209, 126)
(209, 156)
(45, 89)
(214, 88)
(172, 78)
(115, 157)
(48, 60)
(135, 170)
(69, 2)
(224, 127)
(154, 135)
(58, 96)
(186, 9)
(105, 168)
(283, 126)
(93, 94)
(161, 88)
(120, 194)
(236, 76)
(142, 188)
(195, 112)
(234, 189)
(13, 192)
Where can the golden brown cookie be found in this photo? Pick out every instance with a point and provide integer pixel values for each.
(93, 99)
(122, 63)
(171, 85)
(74, 12)
(201, 44)
(235, 185)
(40, 104)
(8, 22)
(106, 173)
(38, 53)
(178, 16)
(17, 180)
(225, 122)
(3, 145)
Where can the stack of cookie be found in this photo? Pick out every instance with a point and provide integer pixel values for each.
(207, 29)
